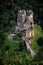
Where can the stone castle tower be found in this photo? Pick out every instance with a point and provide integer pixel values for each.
(25, 23)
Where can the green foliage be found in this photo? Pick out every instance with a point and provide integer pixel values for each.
(19, 34)
(2, 37)
(8, 17)
(7, 28)
(12, 23)
(22, 46)
(39, 56)
(37, 35)
(15, 51)
(41, 24)
(7, 47)
(40, 41)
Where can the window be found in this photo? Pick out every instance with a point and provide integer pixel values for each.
(30, 23)
(29, 38)
(31, 28)
(18, 30)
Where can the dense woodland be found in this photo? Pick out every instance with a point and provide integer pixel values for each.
(8, 18)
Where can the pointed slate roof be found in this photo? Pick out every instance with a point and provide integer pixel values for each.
(26, 21)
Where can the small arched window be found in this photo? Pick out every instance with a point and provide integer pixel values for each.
(30, 23)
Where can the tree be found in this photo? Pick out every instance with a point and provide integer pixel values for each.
(22, 45)
(12, 23)
(2, 37)
(19, 34)
(39, 56)
(40, 41)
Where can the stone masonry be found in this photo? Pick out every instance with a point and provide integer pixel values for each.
(25, 23)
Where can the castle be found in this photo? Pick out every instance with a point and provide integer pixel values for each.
(25, 24)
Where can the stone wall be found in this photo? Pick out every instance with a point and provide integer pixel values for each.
(26, 15)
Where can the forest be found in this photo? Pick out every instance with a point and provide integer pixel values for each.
(14, 52)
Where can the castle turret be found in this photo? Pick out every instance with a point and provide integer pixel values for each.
(31, 22)
(21, 16)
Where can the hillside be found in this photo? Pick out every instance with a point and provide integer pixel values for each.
(16, 50)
